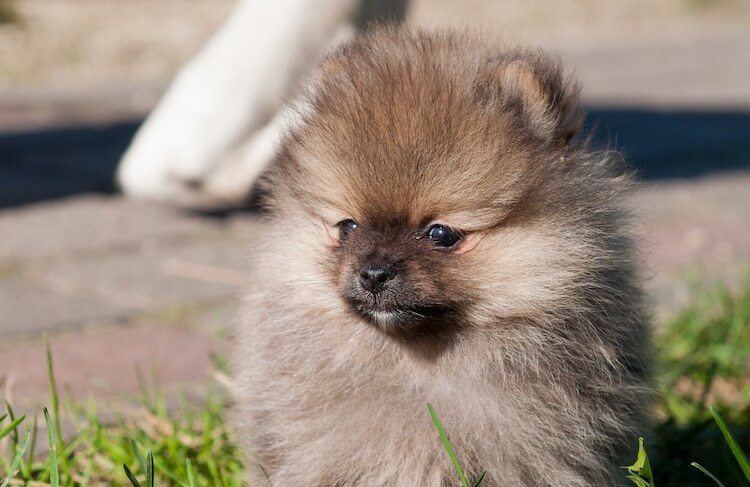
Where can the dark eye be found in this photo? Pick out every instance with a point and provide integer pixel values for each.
(442, 236)
(346, 227)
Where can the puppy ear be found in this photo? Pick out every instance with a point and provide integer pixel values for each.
(533, 87)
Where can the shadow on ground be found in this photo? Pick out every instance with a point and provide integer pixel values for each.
(675, 144)
(60, 162)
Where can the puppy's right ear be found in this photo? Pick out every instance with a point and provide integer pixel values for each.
(533, 87)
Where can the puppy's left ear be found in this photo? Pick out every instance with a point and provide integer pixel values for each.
(533, 87)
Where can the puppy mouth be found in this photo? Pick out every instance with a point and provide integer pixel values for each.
(393, 310)
(384, 319)
(391, 317)
(389, 314)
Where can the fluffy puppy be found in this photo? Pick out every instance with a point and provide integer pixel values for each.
(435, 236)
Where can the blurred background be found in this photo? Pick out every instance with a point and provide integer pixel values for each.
(115, 281)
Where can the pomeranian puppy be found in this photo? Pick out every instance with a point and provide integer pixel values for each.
(437, 235)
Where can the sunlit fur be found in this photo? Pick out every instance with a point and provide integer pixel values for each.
(530, 340)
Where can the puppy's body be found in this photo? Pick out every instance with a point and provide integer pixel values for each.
(526, 333)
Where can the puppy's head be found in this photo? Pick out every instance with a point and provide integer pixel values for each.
(431, 176)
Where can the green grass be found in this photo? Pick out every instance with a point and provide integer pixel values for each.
(451, 453)
(641, 475)
(191, 445)
(702, 434)
(703, 360)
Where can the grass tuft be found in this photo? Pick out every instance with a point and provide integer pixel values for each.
(17, 459)
(641, 475)
(703, 359)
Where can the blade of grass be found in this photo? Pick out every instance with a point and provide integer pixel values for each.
(54, 474)
(213, 470)
(707, 473)
(638, 481)
(17, 459)
(160, 400)
(72, 411)
(167, 472)
(30, 459)
(479, 481)
(14, 439)
(87, 473)
(150, 469)
(55, 405)
(138, 456)
(739, 455)
(220, 473)
(448, 446)
(146, 397)
(133, 481)
(11, 427)
(190, 474)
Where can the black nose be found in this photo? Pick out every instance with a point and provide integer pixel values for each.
(375, 278)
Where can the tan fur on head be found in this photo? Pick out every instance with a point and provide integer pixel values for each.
(526, 333)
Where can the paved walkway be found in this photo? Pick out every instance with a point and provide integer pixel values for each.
(117, 283)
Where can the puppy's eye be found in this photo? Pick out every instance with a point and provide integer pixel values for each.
(442, 236)
(346, 227)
